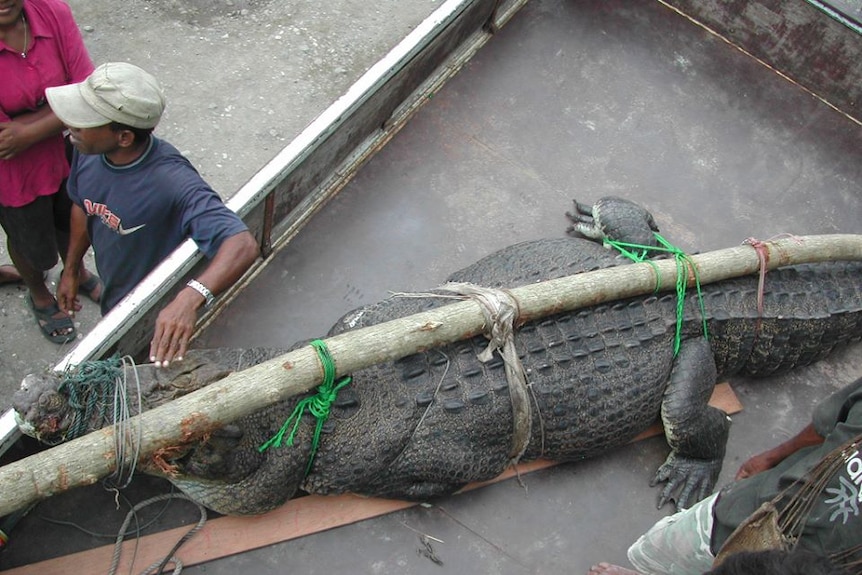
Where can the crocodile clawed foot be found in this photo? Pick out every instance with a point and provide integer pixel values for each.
(687, 480)
(613, 218)
(583, 222)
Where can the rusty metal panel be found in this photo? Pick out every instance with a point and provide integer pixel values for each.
(817, 45)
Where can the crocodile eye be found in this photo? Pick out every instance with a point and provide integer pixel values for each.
(51, 401)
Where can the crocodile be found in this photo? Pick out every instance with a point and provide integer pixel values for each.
(426, 425)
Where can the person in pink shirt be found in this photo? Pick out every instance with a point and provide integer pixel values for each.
(40, 47)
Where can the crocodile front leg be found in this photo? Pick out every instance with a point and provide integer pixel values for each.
(614, 219)
(696, 432)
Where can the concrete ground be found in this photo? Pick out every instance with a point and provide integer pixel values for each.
(570, 100)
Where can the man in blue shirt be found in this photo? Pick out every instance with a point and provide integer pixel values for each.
(137, 198)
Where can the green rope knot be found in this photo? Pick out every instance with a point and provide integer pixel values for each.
(318, 405)
(90, 389)
(639, 253)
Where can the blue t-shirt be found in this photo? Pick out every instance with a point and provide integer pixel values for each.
(137, 214)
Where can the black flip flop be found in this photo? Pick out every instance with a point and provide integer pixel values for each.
(50, 325)
(89, 286)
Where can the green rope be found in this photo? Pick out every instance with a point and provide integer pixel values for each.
(639, 253)
(90, 388)
(318, 405)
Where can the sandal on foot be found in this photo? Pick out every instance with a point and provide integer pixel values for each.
(9, 275)
(92, 285)
(52, 327)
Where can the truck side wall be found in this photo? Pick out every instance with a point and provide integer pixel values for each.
(821, 52)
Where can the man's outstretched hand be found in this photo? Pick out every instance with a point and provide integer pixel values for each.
(174, 328)
(67, 292)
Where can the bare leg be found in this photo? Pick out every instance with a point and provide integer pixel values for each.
(608, 569)
(94, 293)
(39, 293)
(9, 275)
(34, 279)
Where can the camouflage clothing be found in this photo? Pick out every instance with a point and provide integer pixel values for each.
(677, 544)
(686, 543)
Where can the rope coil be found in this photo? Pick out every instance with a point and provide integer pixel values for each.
(90, 387)
(158, 566)
(98, 393)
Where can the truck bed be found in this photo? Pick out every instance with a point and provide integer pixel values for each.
(570, 100)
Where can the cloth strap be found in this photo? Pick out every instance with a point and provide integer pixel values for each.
(501, 312)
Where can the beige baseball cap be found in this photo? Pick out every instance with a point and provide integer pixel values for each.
(114, 92)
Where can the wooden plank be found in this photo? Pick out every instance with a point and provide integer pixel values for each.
(298, 517)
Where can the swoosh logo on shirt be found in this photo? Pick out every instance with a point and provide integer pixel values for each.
(124, 232)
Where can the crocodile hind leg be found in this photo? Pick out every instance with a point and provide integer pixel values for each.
(696, 432)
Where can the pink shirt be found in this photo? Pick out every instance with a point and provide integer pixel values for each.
(56, 56)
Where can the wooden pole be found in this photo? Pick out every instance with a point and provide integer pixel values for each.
(85, 460)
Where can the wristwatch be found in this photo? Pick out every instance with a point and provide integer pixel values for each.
(204, 291)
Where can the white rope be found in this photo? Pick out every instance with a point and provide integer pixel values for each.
(123, 434)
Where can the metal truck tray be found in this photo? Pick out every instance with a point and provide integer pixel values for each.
(726, 125)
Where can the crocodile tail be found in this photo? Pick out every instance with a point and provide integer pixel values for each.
(808, 312)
